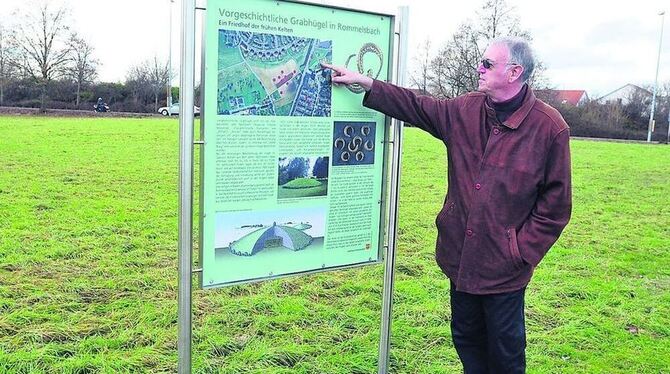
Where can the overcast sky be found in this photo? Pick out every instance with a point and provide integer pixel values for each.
(591, 45)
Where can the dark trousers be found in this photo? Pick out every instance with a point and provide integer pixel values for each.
(489, 331)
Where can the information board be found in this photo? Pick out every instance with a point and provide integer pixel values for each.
(294, 169)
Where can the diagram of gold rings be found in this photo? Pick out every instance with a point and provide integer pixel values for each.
(367, 48)
(353, 143)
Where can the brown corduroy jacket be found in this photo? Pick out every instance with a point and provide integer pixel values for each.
(509, 190)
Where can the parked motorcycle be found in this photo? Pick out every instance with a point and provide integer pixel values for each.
(101, 106)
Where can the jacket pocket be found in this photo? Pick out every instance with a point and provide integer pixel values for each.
(513, 247)
(446, 210)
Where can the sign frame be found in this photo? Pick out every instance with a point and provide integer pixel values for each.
(387, 158)
(389, 190)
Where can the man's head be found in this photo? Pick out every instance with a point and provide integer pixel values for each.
(506, 65)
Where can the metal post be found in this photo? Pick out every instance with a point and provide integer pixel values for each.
(201, 199)
(186, 87)
(653, 98)
(389, 268)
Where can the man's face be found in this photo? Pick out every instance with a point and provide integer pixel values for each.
(496, 78)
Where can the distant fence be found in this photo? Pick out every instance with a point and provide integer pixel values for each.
(6, 110)
(616, 140)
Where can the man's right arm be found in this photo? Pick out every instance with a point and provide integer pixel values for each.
(424, 112)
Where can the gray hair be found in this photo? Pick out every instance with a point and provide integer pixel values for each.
(519, 53)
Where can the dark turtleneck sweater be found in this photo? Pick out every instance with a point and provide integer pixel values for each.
(504, 109)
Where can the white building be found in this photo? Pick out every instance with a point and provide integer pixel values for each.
(624, 95)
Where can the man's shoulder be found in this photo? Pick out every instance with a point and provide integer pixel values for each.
(470, 99)
(549, 116)
(474, 95)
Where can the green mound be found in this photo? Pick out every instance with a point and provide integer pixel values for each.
(300, 239)
(302, 183)
(270, 237)
(248, 241)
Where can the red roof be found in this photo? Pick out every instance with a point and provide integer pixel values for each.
(571, 97)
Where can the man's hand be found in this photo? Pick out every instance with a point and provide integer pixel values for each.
(345, 76)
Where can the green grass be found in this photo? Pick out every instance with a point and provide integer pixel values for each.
(303, 187)
(88, 278)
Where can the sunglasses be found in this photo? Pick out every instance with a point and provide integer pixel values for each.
(488, 64)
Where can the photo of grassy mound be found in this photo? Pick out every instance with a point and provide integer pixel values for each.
(303, 187)
(302, 183)
(302, 177)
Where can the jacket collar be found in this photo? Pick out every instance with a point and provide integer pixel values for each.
(515, 120)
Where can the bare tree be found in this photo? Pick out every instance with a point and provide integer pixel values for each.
(539, 80)
(136, 82)
(159, 76)
(497, 18)
(42, 38)
(420, 76)
(8, 60)
(82, 67)
(636, 105)
(149, 78)
(500, 19)
(664, 92)
(454, 69)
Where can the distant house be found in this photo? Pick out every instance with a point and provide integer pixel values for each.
(568, 97)
(624, 95)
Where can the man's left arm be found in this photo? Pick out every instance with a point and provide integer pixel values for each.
(553, 206)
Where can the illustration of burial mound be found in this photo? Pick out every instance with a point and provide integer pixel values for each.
(275, 236)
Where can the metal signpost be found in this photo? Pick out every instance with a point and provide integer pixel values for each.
(242, 242)
(186, 119)
(387, 296)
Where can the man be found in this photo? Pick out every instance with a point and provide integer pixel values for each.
(508, 200)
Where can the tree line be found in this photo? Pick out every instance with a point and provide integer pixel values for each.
(45, 64)
(452, 71)
(621, 119)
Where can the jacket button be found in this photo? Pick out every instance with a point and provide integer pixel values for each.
(468, 232)
(496, 131)
(478, 186)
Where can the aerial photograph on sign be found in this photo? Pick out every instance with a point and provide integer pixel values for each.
(273, 75)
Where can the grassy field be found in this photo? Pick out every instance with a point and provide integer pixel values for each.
(88, 280)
